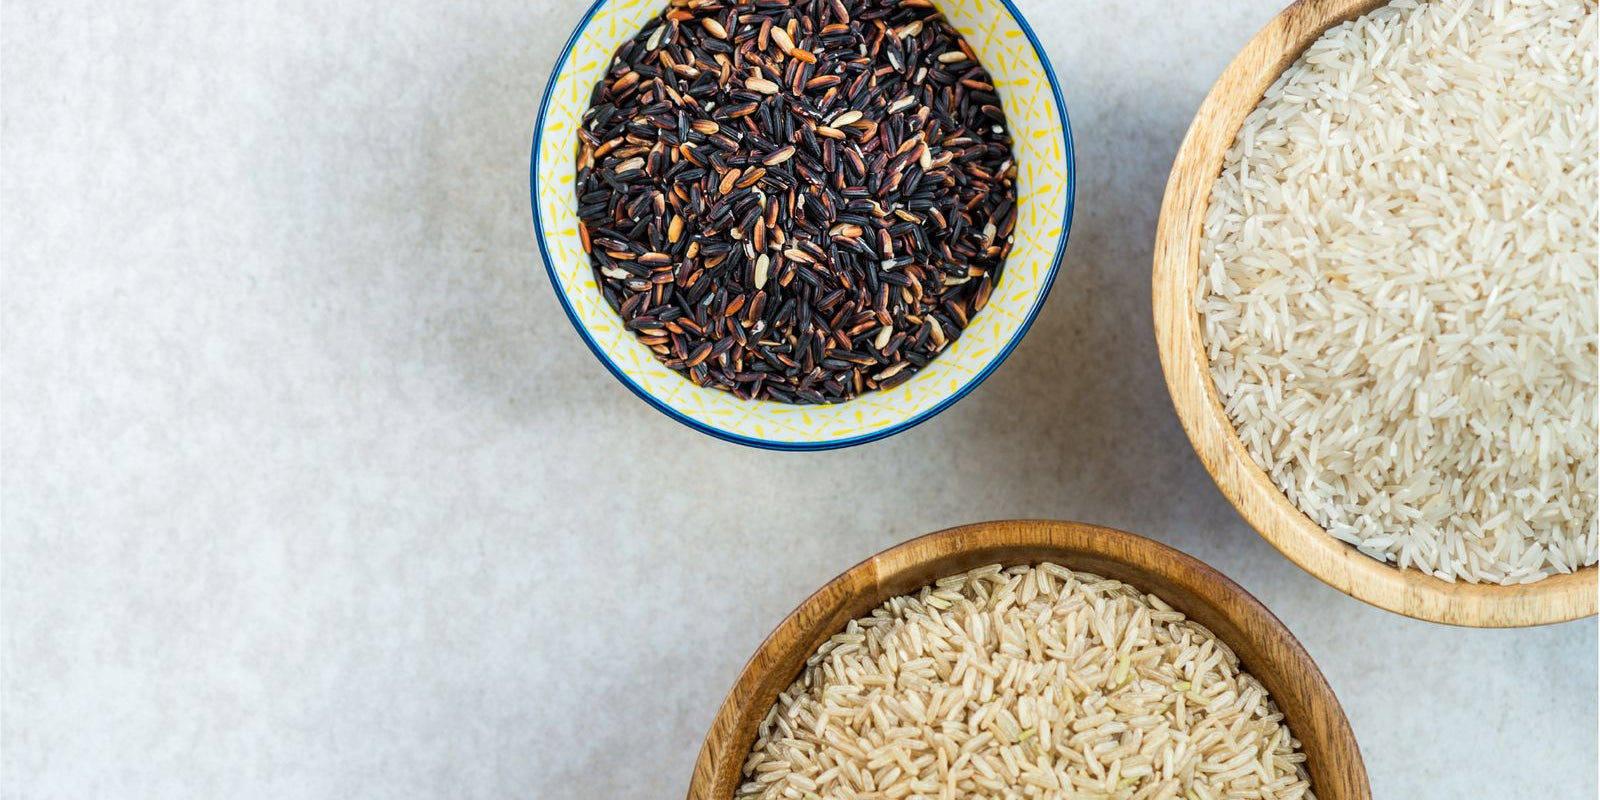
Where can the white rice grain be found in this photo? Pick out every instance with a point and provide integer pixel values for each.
(1398, 286)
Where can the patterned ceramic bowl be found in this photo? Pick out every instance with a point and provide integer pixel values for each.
(1043, 143)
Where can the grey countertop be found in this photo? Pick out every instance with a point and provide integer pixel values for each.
(310, 490)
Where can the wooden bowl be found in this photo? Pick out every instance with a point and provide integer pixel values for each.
(1183, 358)
(1264, 646)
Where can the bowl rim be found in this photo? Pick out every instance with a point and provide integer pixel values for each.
(983, 374)
(1412, 592)
(1159, 568)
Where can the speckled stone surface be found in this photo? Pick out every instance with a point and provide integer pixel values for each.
(310, 490)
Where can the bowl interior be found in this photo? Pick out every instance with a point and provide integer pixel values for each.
(1266, 648)
(1043, 154)
(1183, 357)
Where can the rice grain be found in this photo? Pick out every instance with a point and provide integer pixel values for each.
(1397, 288)
(1028, 681)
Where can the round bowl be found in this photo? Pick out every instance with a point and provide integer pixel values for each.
(1043, 152)
(1264, 646)
(1183, 357)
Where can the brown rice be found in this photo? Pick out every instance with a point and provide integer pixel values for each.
(1027, 681)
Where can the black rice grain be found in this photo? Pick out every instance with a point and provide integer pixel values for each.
(796, 201)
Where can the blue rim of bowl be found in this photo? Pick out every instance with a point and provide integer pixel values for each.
(832, 444)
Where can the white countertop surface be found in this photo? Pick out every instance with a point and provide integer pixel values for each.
(310, 489)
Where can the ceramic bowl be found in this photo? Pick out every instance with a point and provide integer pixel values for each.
(1037, 118)
(1183, 358)
(1265, 647)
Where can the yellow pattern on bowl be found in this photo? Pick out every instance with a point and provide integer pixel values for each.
(1043, 153)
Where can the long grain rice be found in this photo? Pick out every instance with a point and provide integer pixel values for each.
(1398, 279)
(1034, 682)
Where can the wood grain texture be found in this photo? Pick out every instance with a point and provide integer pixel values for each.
(1265, 647)
(1183, 358)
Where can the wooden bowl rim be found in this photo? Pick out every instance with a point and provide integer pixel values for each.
(1291, 676)
(1175, 277)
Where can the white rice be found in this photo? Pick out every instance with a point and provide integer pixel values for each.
(1031, 682)
(1398, 285)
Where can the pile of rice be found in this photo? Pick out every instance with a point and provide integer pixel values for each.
(1398, 280)
(1032, 682)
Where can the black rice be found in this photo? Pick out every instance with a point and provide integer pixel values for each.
(796, 200)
